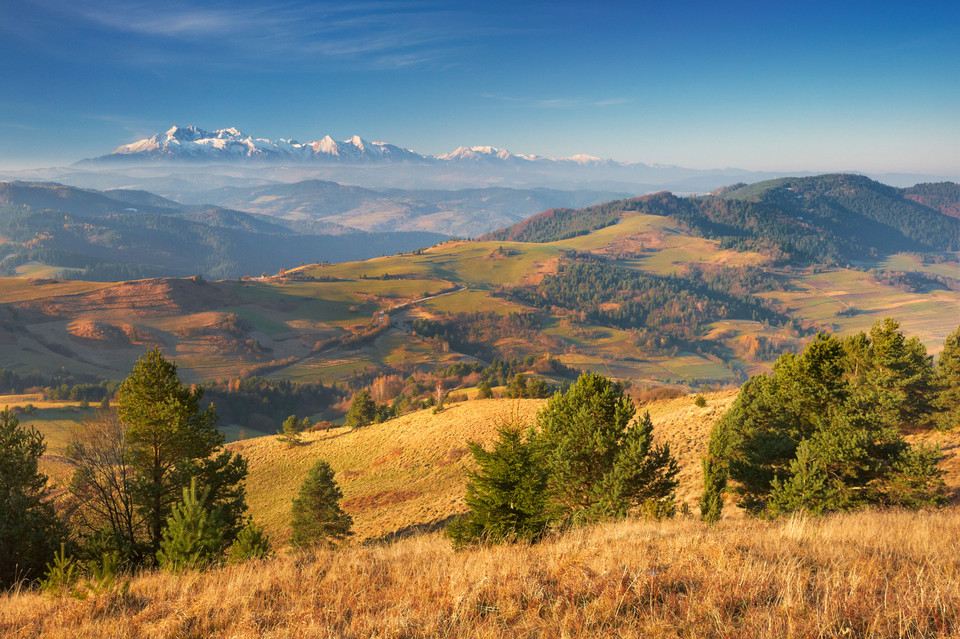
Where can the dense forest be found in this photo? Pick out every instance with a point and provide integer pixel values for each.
(61, 385)
(262, 404)
(560, 224)
(590, 290)
(940, 196)
(830, 219)
(488, 336)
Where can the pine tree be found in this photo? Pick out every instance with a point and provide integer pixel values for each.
(192, 539)
(251, 543)
(518, 387)
(824, 431)
(171, 440)
(947, 383)
(484, 391)
(538, 389)
(896, 377)
(316, 514)
(30, 531)
(507, 494)
(598, 465)
(291, 431)
(362, 411)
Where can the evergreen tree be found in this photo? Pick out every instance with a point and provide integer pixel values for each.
(518, 387)
(171, 440)
(292, 429)
(191, 538)
(506, 495)
(947, 383)
(316, 513)
(251, 543)
(598, 465)
(823, 432)
(538, 389)
(484, 391)
(363, 410)
(894, 374)
(30, 531)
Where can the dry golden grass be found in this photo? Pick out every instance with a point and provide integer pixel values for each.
(686, 428)
(870, 574)
(403, 475)
(408, 474)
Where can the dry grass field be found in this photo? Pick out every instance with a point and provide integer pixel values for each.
(869, 574)
(408, 474)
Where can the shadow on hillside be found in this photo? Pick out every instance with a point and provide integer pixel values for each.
(412, 531)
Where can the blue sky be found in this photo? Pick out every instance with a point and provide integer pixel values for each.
(868, 86)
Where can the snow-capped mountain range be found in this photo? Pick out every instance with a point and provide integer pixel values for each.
(231, 145)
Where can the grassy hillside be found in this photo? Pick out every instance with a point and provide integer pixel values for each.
(408, 473)
(867, 574)
(675, 307)
(128, 235)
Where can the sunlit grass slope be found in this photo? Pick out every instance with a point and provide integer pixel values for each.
(867, 574)
(404, 473)
(409, 473)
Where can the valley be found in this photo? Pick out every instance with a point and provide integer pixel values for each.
(682, 302)
(593, 289)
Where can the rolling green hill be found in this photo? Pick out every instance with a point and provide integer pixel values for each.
(120, 235)
(835, 219)
(646, 298)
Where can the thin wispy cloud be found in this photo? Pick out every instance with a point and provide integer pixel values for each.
(555, 103)
(370, 34)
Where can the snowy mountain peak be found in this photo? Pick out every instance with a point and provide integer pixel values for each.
(582, 158)
(477, 153)
(231, 132)
(194, 144)
(185, 133)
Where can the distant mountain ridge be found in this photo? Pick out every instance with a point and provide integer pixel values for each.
(119, 234)
(460, 212)
(833, 218)
(192, 143)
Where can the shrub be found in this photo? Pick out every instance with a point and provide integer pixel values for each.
(191, 539)
(251, 543)
(61, 575)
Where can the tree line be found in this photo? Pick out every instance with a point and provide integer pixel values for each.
(583, 460)
(596, 292)
(152, 486)
(825, 431)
